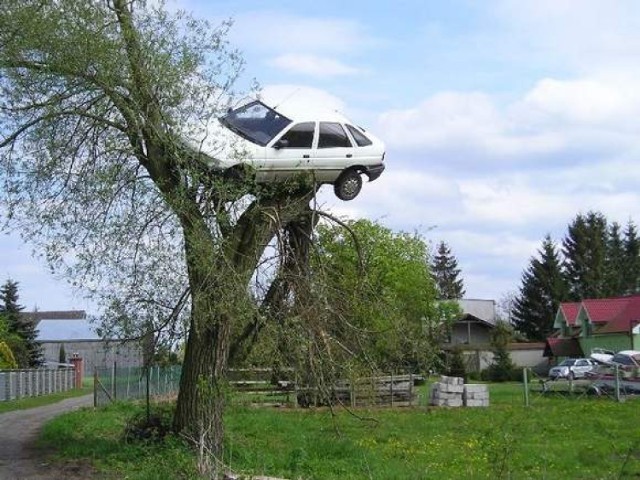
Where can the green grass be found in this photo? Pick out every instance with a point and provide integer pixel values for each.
(555, 438)
(33, 402)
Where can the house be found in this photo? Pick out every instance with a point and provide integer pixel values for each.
(476, 323)
(609, 323)
(73, 330)
(472, 334)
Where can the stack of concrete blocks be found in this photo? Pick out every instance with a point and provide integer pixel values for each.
(475, 395)
(447, 392)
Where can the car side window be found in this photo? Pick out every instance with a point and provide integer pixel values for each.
(360, 138)
(332, 135)
(299, 136)
(581, 363)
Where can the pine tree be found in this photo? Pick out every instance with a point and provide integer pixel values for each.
(446, 273)
(615, 263)
(19, 325)
(584, 250)
(543, 288)
(631, 271)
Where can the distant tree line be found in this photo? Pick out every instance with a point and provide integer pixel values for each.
(18, 345)
(596, 259)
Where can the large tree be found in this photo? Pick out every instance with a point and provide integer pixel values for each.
(631, 266)
(543, 288)
(97, 99)
(585, 252)
(391, 291)
(27, 350)
(446, 273)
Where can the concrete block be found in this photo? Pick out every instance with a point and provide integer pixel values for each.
(476, 403)
(451, 388)
(475, 387)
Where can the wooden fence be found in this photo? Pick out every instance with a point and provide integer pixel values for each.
(15, 384)
(390, 390)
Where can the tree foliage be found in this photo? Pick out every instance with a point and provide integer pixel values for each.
(447, 274)
(369, 306)
(97, 101)
(502, 367)
(597, 260)
(585, 254)
(543, 288)
(21, 331)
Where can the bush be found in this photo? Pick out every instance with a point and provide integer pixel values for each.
(154, 427)
(456, 366)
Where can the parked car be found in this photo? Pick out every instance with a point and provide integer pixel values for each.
(572, 368)
(280, 142)
(626, 358)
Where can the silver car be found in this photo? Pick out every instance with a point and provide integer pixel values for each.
(572, 368)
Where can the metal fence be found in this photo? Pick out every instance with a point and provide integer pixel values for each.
(131, 383)
(15, 384)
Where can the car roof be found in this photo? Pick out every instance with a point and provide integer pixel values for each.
(302, 112)
(630, 352)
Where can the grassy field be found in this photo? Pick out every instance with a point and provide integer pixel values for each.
(555, 438)
(33, 402)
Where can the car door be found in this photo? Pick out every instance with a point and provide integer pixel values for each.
(334, 152)
(290, 152)
(582, 367)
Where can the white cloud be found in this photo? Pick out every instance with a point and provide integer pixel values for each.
(312, 65)
(589, 35)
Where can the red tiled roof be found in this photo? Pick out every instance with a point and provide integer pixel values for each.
(570, 312)
(610, 315)
(604, 310)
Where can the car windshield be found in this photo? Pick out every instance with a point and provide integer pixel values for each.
(256, 122)
(567, 363)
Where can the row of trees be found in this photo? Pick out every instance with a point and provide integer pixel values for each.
(18, 345)
(597, 259)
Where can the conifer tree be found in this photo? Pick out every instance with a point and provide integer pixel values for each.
(584, 250)
(543, 288)
(615, 263)
(446, 273)
(631, 270)
(19, 325)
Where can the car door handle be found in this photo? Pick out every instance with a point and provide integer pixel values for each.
(349, 155)
(305, 156)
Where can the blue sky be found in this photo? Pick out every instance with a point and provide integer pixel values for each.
(503, 119)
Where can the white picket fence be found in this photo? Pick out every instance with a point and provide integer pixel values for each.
(15, 384)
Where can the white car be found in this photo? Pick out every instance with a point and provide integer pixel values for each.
(572, 368)
(281, 142)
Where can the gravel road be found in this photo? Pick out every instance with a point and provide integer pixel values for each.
(19, 457)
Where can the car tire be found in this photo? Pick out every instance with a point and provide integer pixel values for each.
(348, 185)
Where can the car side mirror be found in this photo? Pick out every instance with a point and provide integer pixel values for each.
(282, 143)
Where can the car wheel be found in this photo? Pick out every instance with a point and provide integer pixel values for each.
(348, 185)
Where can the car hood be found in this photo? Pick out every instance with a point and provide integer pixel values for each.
(221, 148)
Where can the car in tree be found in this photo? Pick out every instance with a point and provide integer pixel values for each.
(572, 368)
(276, 143)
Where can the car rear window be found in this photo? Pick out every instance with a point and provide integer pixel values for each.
(360, 138)
(332, 135)
(300, 135)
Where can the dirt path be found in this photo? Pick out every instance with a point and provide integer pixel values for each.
(19, 459)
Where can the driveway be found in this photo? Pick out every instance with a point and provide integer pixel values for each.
(20, 459)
